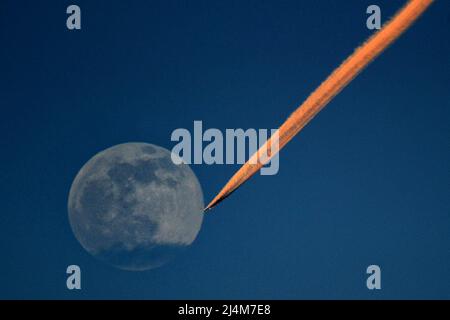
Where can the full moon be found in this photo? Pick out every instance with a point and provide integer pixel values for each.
(132, 207)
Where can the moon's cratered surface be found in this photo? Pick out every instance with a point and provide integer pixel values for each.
(132, 207)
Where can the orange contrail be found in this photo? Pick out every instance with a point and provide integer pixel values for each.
(340, 77)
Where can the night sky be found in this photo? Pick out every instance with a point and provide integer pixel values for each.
(366, 182)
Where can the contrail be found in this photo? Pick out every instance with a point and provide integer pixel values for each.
(337, 81)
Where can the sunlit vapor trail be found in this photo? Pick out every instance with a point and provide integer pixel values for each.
(337, 81)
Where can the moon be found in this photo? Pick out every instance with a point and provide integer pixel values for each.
(132, 207)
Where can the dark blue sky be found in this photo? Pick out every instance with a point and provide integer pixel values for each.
(366, 182)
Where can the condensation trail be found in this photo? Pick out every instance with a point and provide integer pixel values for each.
(337, 81)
